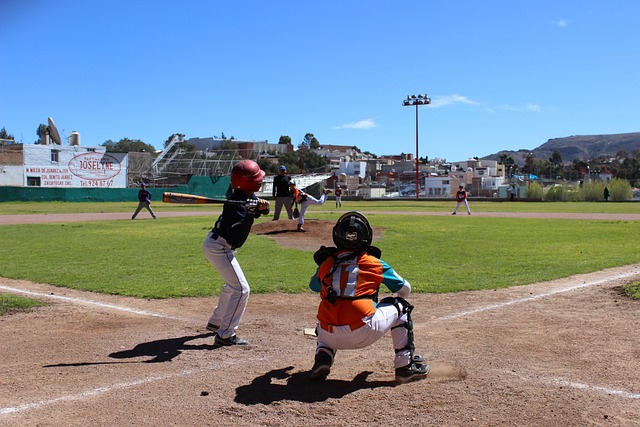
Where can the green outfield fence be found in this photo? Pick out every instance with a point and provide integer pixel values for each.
(209, 186)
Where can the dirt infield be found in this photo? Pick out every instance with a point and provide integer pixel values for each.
(560, 353)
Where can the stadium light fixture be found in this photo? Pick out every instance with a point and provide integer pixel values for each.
(417, 100)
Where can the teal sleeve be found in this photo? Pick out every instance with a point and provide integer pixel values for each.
(390, 278)
(315, 284)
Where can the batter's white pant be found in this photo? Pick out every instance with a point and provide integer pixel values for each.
(375, 327)
(280, 202)
(235, 292)
(310, 201)
(465, 203)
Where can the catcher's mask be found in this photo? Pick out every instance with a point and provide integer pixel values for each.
(246, 175)
(352, 232)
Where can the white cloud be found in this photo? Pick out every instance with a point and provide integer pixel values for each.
(361, 124)
(442, 101)
(529, 107)
(562, 23)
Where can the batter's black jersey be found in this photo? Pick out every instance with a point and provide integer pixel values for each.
(234, 224)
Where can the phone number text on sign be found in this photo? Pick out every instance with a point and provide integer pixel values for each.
(97, 184)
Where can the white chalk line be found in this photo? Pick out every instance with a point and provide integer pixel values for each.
(102, 390)
(90, 302)
(535, 297)
(92, 393)
(582, 386)
(558, 381)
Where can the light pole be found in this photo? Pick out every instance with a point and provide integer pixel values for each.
(417, 100)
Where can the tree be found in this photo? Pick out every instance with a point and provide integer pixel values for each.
(168, 141)
(310, 161)
(228, 144)
(5, 135)
(555, 164)
(528, 163)
(41, 132)
(127, 145)
(309, 141)
(284, 139)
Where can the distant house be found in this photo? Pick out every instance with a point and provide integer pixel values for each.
(247, 149)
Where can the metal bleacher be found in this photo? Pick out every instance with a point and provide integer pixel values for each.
(302, 182)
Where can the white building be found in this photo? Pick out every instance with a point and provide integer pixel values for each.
(358, 169)
(438, 186)
(70, 166)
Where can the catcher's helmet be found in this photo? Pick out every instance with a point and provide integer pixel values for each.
(352, 232)
(246, 175)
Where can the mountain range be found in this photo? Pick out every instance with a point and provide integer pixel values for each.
(580, 147)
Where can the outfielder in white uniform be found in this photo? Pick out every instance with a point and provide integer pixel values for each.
(461, 198)
(349, 316)
(229, 233)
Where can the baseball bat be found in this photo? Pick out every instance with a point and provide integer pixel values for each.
(191, 199)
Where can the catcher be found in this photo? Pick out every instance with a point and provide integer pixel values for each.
(348, 279)
(229, 233)
(299, 197)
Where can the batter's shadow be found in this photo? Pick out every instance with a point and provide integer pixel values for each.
(299, 387)
(159, 351)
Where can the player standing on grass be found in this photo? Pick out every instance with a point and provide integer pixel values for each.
(349, 316)
(144, 201)
(229, 233)
(338, 196)
(461, 198)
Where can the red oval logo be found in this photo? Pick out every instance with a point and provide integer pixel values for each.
(95, 166)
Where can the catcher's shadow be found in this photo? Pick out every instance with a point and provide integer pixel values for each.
(301, 388)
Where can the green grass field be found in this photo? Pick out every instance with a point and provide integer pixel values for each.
(17, 208)
(13, 303)
(163, 258)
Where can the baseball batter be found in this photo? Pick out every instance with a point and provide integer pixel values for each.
(303, 199)
(461, 198)
(348, 279)
(229, 233)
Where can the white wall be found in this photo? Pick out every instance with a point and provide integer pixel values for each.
(76, 166)
(11, 175)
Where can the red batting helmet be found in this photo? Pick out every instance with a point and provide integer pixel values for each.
(246, 175)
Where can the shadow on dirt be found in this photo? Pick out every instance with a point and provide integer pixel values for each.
(159, 351)
(164, 350)
(270, 233)
(269, 388)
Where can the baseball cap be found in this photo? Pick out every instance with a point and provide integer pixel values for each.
(292, 182)
(283, 168)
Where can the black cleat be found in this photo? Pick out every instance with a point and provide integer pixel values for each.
(232, 340)
(416, 370)
(321, 367)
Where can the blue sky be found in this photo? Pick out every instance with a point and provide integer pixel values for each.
(501, 74)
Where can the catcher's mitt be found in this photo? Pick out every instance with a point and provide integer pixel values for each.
(296, 213)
